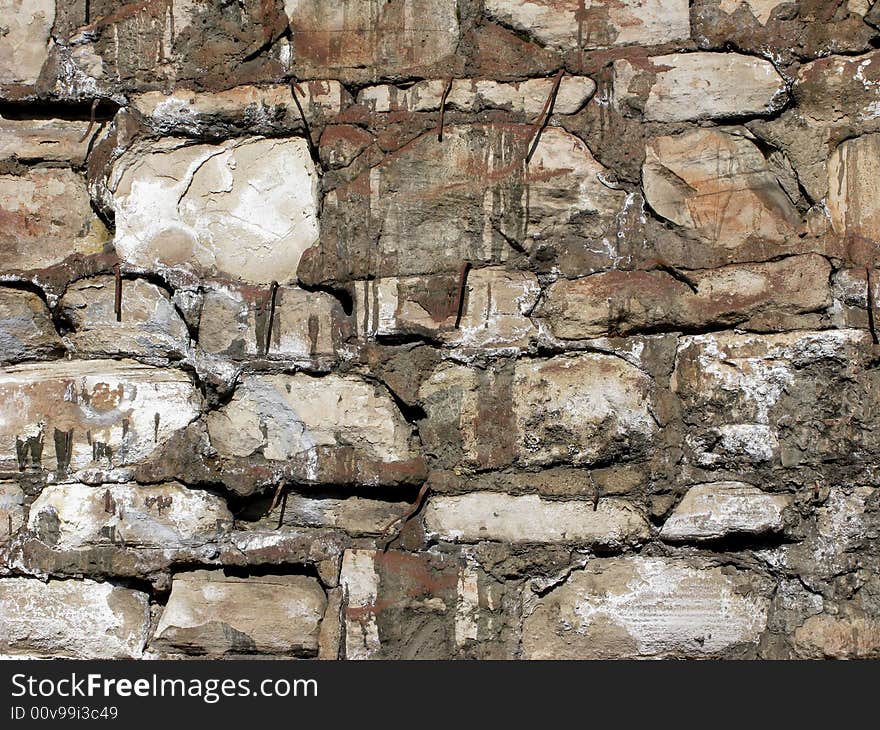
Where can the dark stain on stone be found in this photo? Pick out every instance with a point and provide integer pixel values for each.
(100, 450)
(63, 449)
(109, 503)
(29, 451)
(314, 327)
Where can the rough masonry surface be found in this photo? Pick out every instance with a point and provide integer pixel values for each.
(486, 329)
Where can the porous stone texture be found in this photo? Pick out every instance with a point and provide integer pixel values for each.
(692, 86)
(26, 329)
(449, 329)
(596, 23)
(24, 46)
(154, 517)
(78, 619)
(650, 607)
(147, 324)
(245, 209)
(528, 518)
(210, 614)
(46, 218)
(716, 510)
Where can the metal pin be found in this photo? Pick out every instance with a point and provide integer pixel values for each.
(118, 301)
(313, 151)
(273, 291)
(462, 281)
(443, 109)
(545, 115)
(283, 510)
(404, 518)
(91, 120)
(871, 323)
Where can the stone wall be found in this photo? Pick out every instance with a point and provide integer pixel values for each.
(439, 329)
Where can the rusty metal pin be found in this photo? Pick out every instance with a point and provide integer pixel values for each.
(273, 291)
(283, 510)
(443, 109)
(545, 115)
(295, 89)
(404, 518)
(117, 303)
(462, 282)
(871, 322)
(91, 120)
(276, 497)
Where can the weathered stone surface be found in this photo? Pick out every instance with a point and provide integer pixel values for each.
(24, 44)
(356, 41)
(715, 510)
(849, 287)
(355, 515)
(529, 518)
(646, 607)
(26, 330)
(341, 144)
(493, 311)
(690, 86)
(150, 325)
(422, 606)
(244, 209)
(11, 510)
(159, 517)
(132, 46)
(502, 53)
(496, 308)
(71, 618)
(719, 185)
(784, 30)
(624, 302)
(305, 325)
(77, 417)
(485, 328)
(330, 636)
(835, 100)
(839, 532)
(852, 201)
(52, 140)
(760, 9)
(45, 216)
(838, 637)
(429, 207)
(321, 548)
(360, 586)
(577, 409)
(331, 429)
(569, 24)
(735, 386)
(253, 109)
(412, 305)
(475, 95)
(212, 614)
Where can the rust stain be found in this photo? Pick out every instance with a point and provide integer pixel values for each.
(105, 399)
